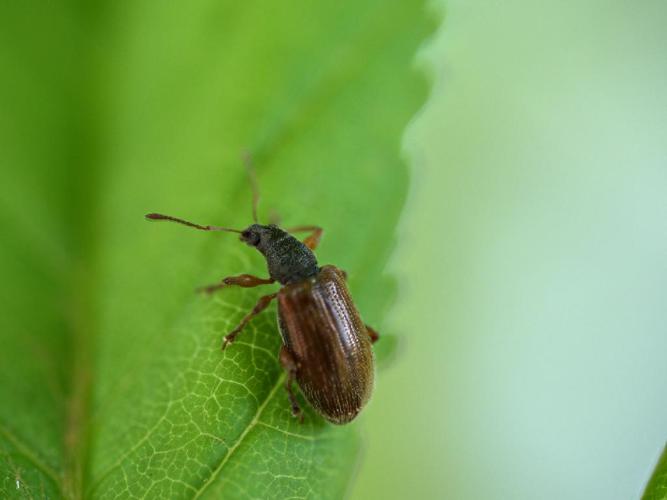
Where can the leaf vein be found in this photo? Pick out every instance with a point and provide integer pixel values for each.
(28, 453)
(241, 438)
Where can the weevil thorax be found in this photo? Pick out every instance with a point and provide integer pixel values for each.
(288, 259)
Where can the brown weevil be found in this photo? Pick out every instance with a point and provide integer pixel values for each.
(326, 346)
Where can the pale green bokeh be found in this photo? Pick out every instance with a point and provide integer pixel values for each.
(532, 260)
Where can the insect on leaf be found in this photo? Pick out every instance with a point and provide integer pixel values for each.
(112, 381)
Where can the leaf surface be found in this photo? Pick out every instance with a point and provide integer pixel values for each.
(113, 384)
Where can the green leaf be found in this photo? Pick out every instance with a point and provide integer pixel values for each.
(112, 381)
(656, 489)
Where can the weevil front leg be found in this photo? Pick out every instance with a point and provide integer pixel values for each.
(373, 334)
(312, 240)
(290, 365)
(242, 280)
(262, 304)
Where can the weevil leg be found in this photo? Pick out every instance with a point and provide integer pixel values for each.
(242, 280)
(312, 240)
(262, 304)
(374, 335)
(290, 366)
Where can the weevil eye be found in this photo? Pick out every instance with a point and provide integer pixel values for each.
(250, 237)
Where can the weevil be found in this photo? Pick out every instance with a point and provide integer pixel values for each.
(326, 347)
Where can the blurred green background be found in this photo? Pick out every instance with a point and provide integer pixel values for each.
(531, 253)
(533, 261)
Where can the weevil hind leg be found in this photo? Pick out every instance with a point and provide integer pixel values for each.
(242, 280)
(262, 304)
(373, 334)
(290, 365)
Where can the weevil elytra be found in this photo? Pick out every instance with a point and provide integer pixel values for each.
(326, 346)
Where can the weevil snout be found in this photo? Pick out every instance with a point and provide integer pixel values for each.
(260, 236)
(251, 236)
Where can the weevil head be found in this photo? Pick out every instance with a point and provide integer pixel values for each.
(261, 237)
(287, 258)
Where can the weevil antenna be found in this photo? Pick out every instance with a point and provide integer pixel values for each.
(191, 224)
(247, 160)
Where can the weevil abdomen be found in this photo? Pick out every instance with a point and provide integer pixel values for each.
(322, 330)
